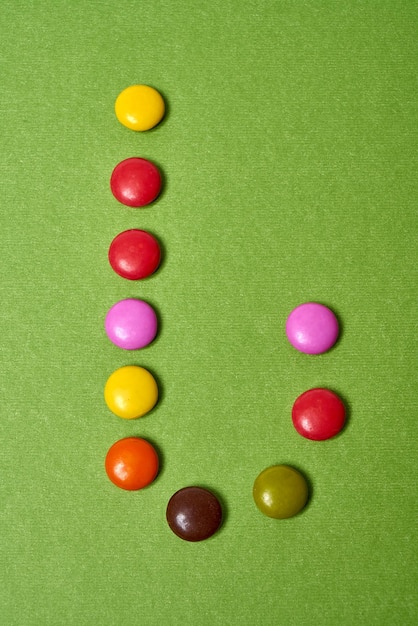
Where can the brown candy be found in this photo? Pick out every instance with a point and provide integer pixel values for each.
(194, 513)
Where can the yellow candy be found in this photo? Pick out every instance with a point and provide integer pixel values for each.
(131, 392)
(139, 107)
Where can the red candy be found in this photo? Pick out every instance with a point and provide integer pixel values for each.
(134, 254)
(318, 414)
(135, 182)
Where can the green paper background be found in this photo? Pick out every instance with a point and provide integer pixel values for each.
(289, 156)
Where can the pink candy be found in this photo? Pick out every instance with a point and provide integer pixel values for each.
(312, 328)
(131, 324)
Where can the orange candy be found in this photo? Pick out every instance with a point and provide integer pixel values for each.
(132, 463)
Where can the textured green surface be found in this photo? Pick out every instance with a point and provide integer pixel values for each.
(289, 156)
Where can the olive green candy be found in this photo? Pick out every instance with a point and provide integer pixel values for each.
(280, 491)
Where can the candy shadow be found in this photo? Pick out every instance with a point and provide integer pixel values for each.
(348, 413)
(340, 326)
(167, 113)
(161, 390)
(161, 458)
(164, 184)
(163, 259)
(160, 325)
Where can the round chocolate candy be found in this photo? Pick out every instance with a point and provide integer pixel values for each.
(132, 463)
(312, 328)
(131, 391)
(135, 182)
(131, 324)
(139, 107)
(280, 491)
(318, 414)
(134, 254)
(194, 513)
